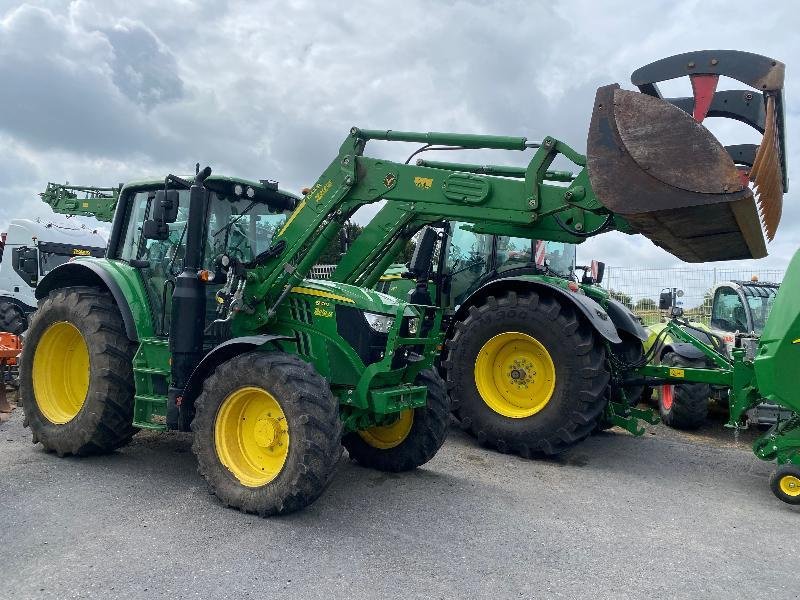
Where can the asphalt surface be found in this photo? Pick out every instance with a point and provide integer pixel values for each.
(663, 516)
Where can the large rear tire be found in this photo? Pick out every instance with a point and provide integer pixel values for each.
(267, 434)
(12, 319)
(76, 374)
(683, 405)
(412, 440)
(526, 374)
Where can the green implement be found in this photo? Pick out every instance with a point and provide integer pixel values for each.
(86, 201)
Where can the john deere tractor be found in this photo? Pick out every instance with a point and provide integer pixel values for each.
(201, 317)
(479, 262)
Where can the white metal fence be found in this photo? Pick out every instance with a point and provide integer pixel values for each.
(322, 271)
(639, 288)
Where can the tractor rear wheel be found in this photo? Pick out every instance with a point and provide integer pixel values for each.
(785, 483)
(683, 405)
(12, 319)
(267, 434)
(410, 441)
(76, 374)
(526, 374)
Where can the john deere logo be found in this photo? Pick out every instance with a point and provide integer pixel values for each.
(81, 252)
(423, 182)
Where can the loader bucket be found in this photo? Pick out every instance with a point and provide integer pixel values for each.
(651, 160)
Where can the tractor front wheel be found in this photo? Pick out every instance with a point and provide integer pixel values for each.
(76, 374)
(410, 441)
(267, 434)
(785, 483)
(683, 405)
(526, 374)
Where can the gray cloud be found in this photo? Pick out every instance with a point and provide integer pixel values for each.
(99, 92)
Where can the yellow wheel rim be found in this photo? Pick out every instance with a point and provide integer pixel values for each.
(515, 375)
(251, 436)
(389, 436)
(790, 485)
(60, 372)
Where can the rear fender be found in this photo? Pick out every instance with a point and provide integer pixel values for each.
(625, 320)
(91, 274)
(591, 310)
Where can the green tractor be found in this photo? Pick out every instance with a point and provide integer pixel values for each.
(481, 264)
(201, 316)
(165, 333)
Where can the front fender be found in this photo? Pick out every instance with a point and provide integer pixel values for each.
(219, 355)
(590, 309)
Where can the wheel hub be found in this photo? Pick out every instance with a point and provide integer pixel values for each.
(251, 436)
(521, 373)
(266, 431)
(790, 485)
(515, 374)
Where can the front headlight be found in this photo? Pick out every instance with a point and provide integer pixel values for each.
(379, 323)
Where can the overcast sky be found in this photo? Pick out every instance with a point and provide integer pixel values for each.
(98, 92)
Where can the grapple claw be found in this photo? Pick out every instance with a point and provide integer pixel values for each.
(651, 161)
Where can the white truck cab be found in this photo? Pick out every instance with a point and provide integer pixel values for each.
(30, 250)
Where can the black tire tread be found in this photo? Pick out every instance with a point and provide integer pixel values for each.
(689, 400)
(12, 319)
(587, 381)
(315, 425)
(105, 422)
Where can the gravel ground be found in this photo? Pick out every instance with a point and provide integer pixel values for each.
(668, 515)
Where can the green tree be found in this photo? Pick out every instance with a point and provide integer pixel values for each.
(622, 297)
(645, 304)
(334, 250)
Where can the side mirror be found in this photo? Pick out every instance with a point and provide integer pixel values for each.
(598, 270)
(593, 275)
(165, 206)
(665, 301)
(25, 262)
(155, 230)
(165, 211)
(420, 264)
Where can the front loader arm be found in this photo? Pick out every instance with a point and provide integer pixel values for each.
(422, 195)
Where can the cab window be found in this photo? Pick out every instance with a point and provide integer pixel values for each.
(468, 259)
(728, 313)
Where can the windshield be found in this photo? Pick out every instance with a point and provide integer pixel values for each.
(514, 252)
(242, 229)
(759, 308)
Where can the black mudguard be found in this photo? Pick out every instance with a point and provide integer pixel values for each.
(683, 349)
(625, 320)
(219, 355)
(590, 309)
(87, 273)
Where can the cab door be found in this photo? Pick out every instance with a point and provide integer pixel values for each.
(158, 261)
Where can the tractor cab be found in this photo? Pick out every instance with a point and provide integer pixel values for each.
(473, 259)
(241, 219)
(741, 308)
